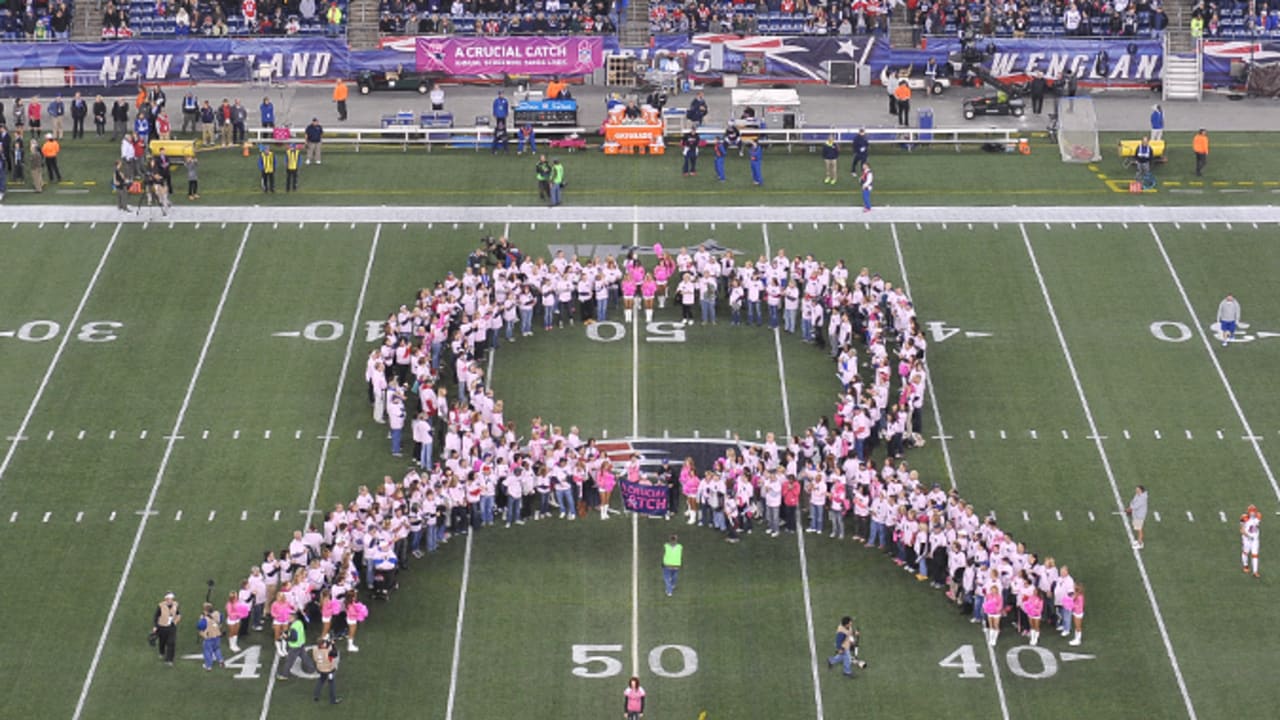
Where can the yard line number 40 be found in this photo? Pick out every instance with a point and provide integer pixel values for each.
(597, 661)
(1041, 665)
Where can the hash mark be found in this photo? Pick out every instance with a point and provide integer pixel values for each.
(297, 435)
(1058, 514)
(1188, 434)
(14, 517)
(142, 435)
(1157, 514)
(1002, 435)
(1220, 435)
(696, 434)
(1126, 434)
(1034, 435)
(1251, 437)
(47, 516)
(972, 435)
(177, 517)
(1091, 518)
(605, 433)
(1158, 437)
(360, 434)
(80, 436)
(728, 435)
(244, 515)
(335, 437)
(1190, 518)
(204, 435)
(1222, 516)
(112, 517)
(212, 514)
(111, 435)
(49, 436)
(266, 434)
(79, 516)
(276, 517)
(1026, 517)
(1065, 436)
(235, 435)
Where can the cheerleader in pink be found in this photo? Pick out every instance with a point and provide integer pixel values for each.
(1077, 613)
(328, 608)
(357, 612)
(281, 612)
(662, 273)
(1033, 606)
(648, 289)
(993, 608)
(689, 484)
(605, 480)
(629, 286)
(237, 610)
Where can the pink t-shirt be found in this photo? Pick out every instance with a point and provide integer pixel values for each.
(635, 699)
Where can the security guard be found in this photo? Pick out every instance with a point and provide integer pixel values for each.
(292, 156)
(267, 164)
(165, 626)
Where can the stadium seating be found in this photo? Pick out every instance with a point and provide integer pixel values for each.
(543, 17)
(204, 18)
(39, 23)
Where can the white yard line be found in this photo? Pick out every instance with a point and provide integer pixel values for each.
(457, 631)
(328, 435)
(635, 517)
(155, 486)
(978, 216)
(804, 560)
(946, 456)
(67, 334)
(1217, 365)
(1111, 478)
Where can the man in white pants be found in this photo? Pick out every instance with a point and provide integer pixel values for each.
(1137, 510)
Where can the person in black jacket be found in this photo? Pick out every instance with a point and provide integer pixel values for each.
(689, 149)
(697, 111)
(100, 116)
(119, 119)
(861, 149)
(1038, 87)
(830, 158)
(79, 111)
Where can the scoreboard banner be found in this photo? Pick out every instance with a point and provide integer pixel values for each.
(128, 62)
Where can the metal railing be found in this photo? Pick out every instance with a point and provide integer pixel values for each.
(481, 137)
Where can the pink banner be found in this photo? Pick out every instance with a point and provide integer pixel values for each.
(513, 55)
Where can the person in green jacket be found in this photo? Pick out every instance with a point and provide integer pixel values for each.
(672, 560)
(557, 181)
(542, 171)
(296, 641)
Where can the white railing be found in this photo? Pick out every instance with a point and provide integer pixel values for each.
(481, 137)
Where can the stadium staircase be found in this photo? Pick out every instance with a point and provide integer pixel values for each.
(86, 23)
(634, 31)
(362, 24)
(1182, 77)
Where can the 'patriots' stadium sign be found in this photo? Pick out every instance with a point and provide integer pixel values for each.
(227, 60)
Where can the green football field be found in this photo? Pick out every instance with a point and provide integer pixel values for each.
(179, 397)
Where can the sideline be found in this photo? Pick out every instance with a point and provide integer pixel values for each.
(1248, 215)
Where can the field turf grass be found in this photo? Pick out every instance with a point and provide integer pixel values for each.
(1240, 172)
(173, 446)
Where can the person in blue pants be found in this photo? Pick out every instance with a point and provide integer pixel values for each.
(756, 154)
(721, 149)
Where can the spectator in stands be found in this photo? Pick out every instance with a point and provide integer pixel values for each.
(249, 10)
(182, 22)
(1072, 21)
(307, 9)
(60, 23)
(333, 19)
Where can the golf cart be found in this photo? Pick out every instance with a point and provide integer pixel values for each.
(934, 83)
(1001, 97)
(998, 102)
(398, 79)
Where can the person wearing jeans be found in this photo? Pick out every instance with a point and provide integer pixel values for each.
(672, 561)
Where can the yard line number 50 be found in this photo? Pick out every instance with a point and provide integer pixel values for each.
(596, 661)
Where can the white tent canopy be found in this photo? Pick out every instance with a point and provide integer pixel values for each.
(762, 97)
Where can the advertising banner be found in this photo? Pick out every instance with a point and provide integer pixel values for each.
(1122, 60)
(129, 62)
(642, 498)
(1218, 56)
(789, 57)
(463, 56)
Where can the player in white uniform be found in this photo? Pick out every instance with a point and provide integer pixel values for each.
(1250, 527)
